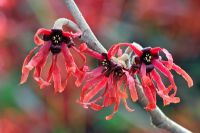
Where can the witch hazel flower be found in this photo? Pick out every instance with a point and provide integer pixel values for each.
(53, 41)
(106, 85)
(147, 63)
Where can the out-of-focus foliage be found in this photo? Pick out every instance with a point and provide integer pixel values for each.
(173, 24)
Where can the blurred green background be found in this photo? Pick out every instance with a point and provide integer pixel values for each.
(173, 24)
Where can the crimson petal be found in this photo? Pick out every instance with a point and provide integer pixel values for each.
(44, 50)
(95, 90)
(181, 72)
(91, 83)
(71, 34)
(132, 88)
(155, 50)
(51, 69)
(167, 73)
(81, 55)
(83, 48)
(112, 51)
(169, 57)
(57, 78)
(69, 60)
(109, 117)
(38, 41)
(146, 83)
(25, 71)
(95, 106)
(156, 77)
(37, 72)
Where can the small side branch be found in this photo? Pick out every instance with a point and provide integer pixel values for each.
(158, 118)
(64, 21)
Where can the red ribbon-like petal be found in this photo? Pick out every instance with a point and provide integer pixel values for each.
(38, 41)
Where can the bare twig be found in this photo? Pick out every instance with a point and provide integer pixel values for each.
(88, 36)
(158, 118)
(64, 21)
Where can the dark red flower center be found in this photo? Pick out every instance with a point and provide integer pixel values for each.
(57, 38)
(146, 58)
(110, 67)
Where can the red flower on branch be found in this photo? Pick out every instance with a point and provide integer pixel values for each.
(55, 41)
(148, 61)
(103, 84)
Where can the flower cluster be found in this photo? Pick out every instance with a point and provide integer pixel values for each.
(147, 63)
(54, 41)
(107, 84)
(109, 81)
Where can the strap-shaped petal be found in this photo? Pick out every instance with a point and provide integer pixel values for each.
(25, 71)
(69, 60)
(168, 74)
(95, 90)
(57, 78)
(169, 58)
(95, 106)
(156, 77)
(155, 50)
(114, 49)
(84, 48)
(38, 41)
(38, 70)
(181, 72)
(147, 84)
(117, 102)
(109, 96)
(132, 88)
(80, 54)
(44, 50)
(49, 77)
(71, 34)
(162, 90)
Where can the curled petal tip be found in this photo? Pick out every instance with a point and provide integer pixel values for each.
(165, 102)
(150, 107)
(22, 82)
(60, 91)
(82, 47)
(85, 68)
(169, 100)
(85, 106)
(38, 41)
(109, 117)
(130, 110)
(29, 67)
(190, 84)
(176, 100)
(72, 69)
(77, 34)
(43, 85)
(95, 107)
